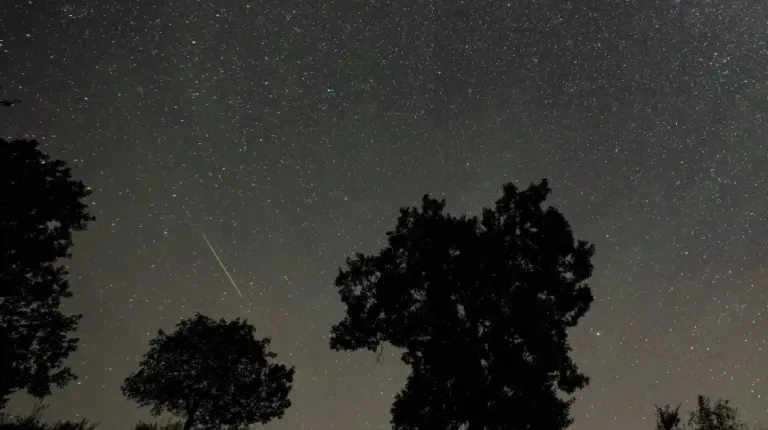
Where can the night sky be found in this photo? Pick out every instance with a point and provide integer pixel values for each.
(289, 132)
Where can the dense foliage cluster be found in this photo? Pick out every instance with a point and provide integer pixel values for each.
(706, 416)
(213, 373)
(40, 207)
(481, 308)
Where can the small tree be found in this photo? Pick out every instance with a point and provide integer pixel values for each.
(481, 309)
(213, 373)
(40, 206)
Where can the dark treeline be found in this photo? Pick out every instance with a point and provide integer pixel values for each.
(481, 307)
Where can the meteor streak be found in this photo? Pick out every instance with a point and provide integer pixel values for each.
(222, 265)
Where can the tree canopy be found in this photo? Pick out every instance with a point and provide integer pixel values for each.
(40, 206)
(718, 416)
(215, 374)
(706, 416)
(481, 308)
(172, 425)
(668, 418)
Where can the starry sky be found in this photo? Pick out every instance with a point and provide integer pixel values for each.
(289, 132)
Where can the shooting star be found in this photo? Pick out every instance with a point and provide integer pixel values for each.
(222, 265)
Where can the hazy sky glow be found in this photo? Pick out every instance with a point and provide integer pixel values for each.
(290, 132)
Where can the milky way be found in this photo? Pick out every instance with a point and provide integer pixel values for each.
(292, 131)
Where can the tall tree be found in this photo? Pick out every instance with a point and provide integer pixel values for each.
(481, 309)
(40, 206)
(215, 374)
(668, 418)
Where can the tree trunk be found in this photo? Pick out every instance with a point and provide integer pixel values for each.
(188, 423)
(479, 403)
(190, 418)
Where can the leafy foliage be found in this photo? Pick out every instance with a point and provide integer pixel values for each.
(173, 425)
(668, 418)
(40, 206)
(34, 422)
(214, 373)
(720, 416)
(706, 416)
(481, 308)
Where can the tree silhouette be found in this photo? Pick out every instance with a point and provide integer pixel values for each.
(481, 308)
(720, 416)
(214, 373)
(40, 206)
(668, 418)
